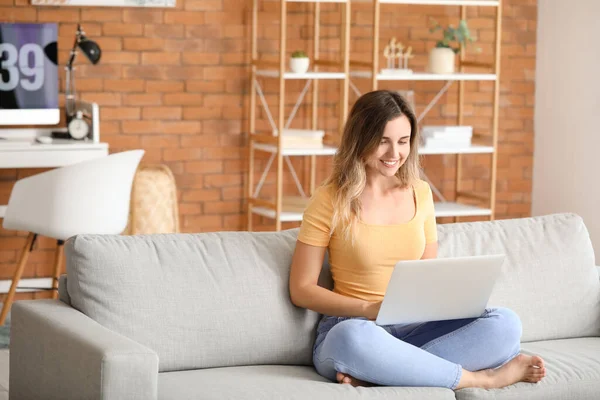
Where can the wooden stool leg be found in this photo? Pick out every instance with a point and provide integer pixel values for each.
(17, 277)
(57, 267)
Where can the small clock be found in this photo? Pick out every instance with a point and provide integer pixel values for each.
(78, 128)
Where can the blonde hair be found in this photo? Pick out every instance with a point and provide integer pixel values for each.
(362, 134)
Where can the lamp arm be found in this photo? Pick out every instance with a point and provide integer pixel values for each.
(74, 49)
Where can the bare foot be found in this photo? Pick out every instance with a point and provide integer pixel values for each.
(345, 378)
(522, 368)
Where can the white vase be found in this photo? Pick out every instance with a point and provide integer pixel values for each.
(299, 65)
(441, 60)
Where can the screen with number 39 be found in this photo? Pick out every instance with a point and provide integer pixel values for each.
(28, 66)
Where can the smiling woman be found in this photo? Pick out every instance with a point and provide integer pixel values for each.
(372, 212)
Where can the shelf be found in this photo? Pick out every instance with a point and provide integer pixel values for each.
(492, 3)
(307, 75)
(423, 76)
(316, 1)
(297, 151)
(449, 209)
(473, 149)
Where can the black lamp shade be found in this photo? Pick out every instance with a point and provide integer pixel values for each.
(91, 50)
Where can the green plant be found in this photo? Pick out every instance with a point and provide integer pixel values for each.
(461, 35)
(299, 54)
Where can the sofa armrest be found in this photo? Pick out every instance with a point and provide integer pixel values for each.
(56, 352)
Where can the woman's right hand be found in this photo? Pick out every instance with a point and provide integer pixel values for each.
(372, 309)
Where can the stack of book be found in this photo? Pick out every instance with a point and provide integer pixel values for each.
(302, 138)
(446, 136)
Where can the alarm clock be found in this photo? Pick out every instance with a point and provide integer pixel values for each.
(78, 128)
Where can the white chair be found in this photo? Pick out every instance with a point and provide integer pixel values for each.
(87, 197)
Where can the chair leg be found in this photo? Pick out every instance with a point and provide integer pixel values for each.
(57, 267)
(8, 300)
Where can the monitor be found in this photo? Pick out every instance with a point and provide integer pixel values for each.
(29, 74)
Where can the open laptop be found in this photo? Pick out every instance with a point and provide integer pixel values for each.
(439, 289)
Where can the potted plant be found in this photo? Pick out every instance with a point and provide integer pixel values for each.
(299, 62)
(442, 56)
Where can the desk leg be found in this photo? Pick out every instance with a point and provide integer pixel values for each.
(8, 300)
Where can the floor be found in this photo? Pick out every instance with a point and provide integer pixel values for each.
(3, 374)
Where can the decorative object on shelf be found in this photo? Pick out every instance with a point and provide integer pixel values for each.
(93, 53)
(302, 138)
(78, 128)
(106, 3)
(394, 51)
(442, 56)
(446, 136)
(299, 62)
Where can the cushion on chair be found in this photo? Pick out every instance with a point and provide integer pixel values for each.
(572, 372)
(271, 382)
(198, 300)
(549, 277)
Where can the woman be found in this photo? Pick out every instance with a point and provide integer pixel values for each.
(372, 212)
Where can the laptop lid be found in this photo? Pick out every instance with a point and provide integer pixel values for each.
(439, 289)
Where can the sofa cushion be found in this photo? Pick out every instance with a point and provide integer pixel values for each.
(198, 300)
(270, 382)
(572, 372)
(549, 277)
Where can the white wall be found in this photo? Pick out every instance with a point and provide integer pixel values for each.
(566, 171)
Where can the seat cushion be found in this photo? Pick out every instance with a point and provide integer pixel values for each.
(198, 300)
(573, 372)
(549, 277)
(268, 382)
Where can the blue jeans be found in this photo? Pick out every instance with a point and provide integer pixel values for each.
(423, 354)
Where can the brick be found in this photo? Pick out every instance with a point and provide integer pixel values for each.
(204, 167)
(144, 16)
(160, 142)
(201, 59)
(203, 5)
(124, 85)
(182, 127)
(183, 99)
(120, 113)
(58, 14)
(18, 14)
(121, 29)
(223, 207)
(141, 44)
(101, 15)
(164, 113)
(200, 113)
(141, 127)
(103, 99)
(121, 57)
(164, 86)
(203, 223)
(146, 99)
(184, 18)
(161, 58)
(164, 31)
(201, 195)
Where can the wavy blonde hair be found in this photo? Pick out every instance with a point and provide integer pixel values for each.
(362, 134)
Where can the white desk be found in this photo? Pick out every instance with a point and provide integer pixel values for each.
(38, 155)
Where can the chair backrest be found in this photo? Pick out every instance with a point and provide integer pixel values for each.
(87, 197)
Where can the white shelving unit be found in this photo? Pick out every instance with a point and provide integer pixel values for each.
(423, 76)
(297, 151)
(307, 75)
(371, 70)
(273, 143)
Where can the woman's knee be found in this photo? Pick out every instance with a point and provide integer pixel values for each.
(505, 324)
(348, 338)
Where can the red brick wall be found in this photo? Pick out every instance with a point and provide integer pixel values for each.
(175, 83)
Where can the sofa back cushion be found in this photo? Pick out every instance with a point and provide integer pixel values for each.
(549, 277)
(198, 300)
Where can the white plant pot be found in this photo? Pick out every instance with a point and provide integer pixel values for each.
(441, 60)
(299, 65)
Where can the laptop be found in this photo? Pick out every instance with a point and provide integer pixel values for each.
(439, 289)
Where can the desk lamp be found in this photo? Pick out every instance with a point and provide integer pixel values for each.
(93, 53)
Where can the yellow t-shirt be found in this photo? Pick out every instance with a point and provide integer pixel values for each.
(363, 271)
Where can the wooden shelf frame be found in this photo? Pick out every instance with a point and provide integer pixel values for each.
(274, 144)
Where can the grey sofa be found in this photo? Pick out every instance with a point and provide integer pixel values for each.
(208, 316)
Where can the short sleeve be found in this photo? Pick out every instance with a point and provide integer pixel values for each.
(430, 224)
(315, 229)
